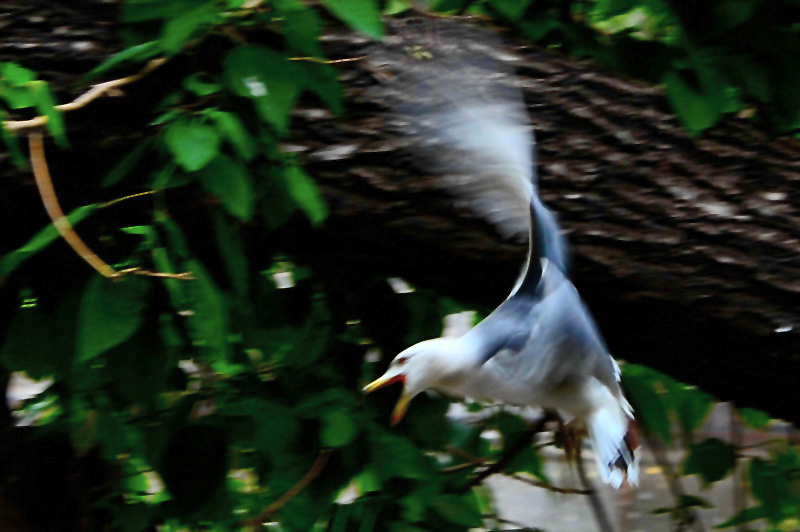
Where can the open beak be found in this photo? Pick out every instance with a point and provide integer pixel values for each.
(402, 403)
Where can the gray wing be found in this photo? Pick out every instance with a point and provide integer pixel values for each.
(561, 337)
(461, 111)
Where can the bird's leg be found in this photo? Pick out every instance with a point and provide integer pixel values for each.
(569, 436)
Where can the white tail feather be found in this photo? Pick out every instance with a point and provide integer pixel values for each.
(608, 427)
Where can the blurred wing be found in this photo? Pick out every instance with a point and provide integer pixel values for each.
(459, 105)
(563, 340)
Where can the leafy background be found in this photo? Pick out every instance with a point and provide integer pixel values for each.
(231, 395)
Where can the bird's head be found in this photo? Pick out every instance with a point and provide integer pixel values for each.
(420, 367)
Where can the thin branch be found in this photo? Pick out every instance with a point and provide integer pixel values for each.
(674, 483)
(45, 184)
(550, 487)
(93, 93)
(313, 472)
(523, 443)
(185, 276)
(739, 493)
(600, 514)
(125, 198)
(328, 61)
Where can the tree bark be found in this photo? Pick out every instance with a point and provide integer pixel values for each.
(685, 249)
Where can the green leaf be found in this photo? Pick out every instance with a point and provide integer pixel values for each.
(511, 9)
(229, 180)
(301, 27)
(688, 501)
(458, 509)
(139, 52)
(769, 484)
(691, 404)
(10, 261)
(144, 10)
(361, 15)
(529, 461)
(233, 130)
(265, 77)
(177, 31)
(323, 80)
(712, 459)
(745, 516)
(755, 418)
(27, 345)
(338, 429)
(646, 392)
(396, 456)
(193, 83)
(191, 143)
(17, 97)
(45, 103)
(233, 253)
(111, 312)
(729, 14)
(698, 109)
(16, 74)
(304, 192)
(12, 144)
(127, 164)
(209, 314)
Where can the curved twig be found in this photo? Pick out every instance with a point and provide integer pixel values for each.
(95, 92)
(45, 184)
(550, 487)
(312, 473)
(41, 173)
(523, 443)
(600, 513)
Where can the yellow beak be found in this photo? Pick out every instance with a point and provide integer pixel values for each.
(402, 403)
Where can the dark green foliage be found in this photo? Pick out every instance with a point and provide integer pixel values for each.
(212, 397)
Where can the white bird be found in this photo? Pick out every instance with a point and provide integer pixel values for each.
(466, 119)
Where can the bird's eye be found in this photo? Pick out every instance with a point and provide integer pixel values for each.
(401, 361)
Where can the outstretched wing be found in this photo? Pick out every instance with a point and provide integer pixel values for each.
(458, 103)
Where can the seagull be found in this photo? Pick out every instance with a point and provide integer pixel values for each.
(464, 118)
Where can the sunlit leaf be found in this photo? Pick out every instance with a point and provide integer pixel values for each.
(111, 312)
(191, 143)
(45, 103)
(361, 15)
(229, 180)
(265, 77)
(16, 74)
(712, 459)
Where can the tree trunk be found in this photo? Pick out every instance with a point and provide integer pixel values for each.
(685, 249)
